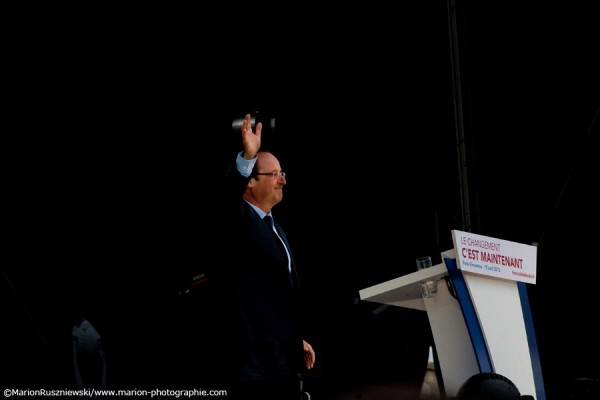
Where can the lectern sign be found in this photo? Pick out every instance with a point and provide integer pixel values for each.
(495, 257)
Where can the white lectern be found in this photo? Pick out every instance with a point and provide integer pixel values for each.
(479, 324)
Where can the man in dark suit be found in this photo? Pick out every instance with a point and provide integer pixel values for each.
(255, 342)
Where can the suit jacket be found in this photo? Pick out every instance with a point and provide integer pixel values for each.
(253, 301)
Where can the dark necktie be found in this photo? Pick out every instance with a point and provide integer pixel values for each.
(269, 221)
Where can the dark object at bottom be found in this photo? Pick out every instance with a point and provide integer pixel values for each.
(489, 386)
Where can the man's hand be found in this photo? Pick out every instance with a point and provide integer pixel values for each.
(309, 355)
(250, 140)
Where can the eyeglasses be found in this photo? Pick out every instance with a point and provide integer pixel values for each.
(274, 174)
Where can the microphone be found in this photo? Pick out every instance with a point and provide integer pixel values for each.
(236, 125)
(268, 122)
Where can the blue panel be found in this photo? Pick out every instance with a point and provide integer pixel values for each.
(466, 304)
(532, 341)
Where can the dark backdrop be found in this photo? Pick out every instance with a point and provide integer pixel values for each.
(121, 125)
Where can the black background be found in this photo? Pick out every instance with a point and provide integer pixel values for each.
(119, 125)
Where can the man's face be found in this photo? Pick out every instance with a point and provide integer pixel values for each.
(266, 189)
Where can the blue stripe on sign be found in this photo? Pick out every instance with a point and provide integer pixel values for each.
(532, 341)
(466, 305)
